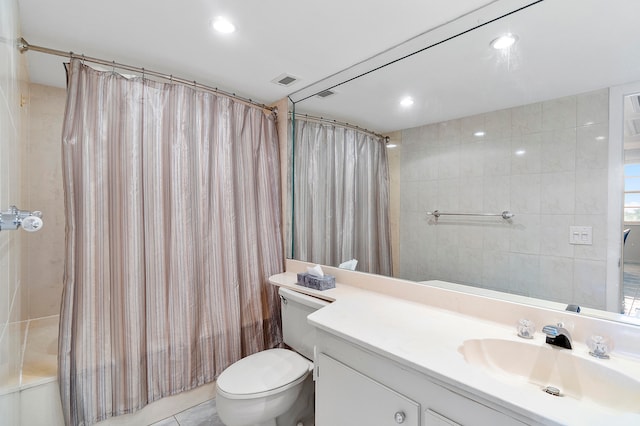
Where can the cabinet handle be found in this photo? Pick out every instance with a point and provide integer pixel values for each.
(400, 416)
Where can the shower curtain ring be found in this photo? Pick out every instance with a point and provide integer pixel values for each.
(113, 67)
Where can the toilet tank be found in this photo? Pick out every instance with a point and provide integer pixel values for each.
(296, 331)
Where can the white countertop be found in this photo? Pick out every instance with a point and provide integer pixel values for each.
(428, 340)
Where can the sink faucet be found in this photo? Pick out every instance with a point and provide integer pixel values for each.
(557, 335)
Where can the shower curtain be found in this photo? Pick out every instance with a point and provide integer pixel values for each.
(341, 197)
(173, 228)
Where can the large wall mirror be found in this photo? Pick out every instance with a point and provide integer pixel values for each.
(536, 128)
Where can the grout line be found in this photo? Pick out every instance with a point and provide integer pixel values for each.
(4, 329)
(13, 296)
(45, 317)
(22, 352)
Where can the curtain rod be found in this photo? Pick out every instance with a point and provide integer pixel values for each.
(341, 123)
(24, 46)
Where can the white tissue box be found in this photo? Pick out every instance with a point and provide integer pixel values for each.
(305, 279)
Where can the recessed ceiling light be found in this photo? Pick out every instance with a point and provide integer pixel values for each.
(600, 138)
(504, 41)
(223, 25)
(406, 101)
(479, 134)
(391, 145)
(520, 152)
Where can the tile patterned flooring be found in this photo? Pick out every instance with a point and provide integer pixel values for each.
(631, 289)
(204, 414)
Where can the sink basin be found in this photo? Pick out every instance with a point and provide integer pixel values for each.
(543, 365)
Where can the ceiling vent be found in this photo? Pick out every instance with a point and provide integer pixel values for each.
(285, 80)
(325, 93)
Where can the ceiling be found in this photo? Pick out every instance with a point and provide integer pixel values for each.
(307, 39)
(564, 47)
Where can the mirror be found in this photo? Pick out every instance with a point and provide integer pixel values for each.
(526, 129)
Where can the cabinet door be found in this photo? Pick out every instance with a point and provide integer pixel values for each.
(446, 408)
(345, 397)
(431, 418)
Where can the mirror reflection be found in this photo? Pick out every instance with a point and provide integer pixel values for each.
(524, 128)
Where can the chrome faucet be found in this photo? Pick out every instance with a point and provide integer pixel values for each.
(557, 335)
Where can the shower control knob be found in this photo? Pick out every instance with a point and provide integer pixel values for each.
(31, 223)
(400, 416)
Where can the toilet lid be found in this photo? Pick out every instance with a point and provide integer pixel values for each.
(263, 372)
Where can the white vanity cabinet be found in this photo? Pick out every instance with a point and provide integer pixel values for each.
(355, 386)
(346, 397)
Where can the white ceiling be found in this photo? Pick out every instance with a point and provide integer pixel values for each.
(598, 47)
(565, 47)
(309, 39)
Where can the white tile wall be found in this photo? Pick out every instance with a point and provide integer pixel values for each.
(43, 190)
(559, 181)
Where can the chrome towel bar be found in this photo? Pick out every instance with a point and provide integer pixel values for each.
(505, 214)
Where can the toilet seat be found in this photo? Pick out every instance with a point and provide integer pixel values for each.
(263, 374)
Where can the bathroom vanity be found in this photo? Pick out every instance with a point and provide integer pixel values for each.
(395, 352)
(356, 386)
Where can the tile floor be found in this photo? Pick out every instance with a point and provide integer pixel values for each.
(631, 289)
(204, 414)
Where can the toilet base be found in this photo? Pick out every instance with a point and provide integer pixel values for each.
(302, 413)
(246, 412)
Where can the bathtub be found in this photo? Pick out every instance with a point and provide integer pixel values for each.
(32, 389)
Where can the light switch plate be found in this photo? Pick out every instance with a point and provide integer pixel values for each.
(581, 235)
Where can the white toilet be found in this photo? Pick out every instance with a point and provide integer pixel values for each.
(274, 387)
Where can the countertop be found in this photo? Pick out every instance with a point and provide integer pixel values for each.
(428, 339)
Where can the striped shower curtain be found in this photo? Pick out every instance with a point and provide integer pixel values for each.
(173, 228)
(341, 197)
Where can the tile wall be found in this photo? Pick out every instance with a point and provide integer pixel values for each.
(13, 88)
(547, 163)
(42, 190)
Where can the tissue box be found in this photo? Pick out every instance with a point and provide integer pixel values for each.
(305, 279)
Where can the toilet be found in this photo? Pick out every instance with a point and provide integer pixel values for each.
(274, 387)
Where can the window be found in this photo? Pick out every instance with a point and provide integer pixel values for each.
(632, 193)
